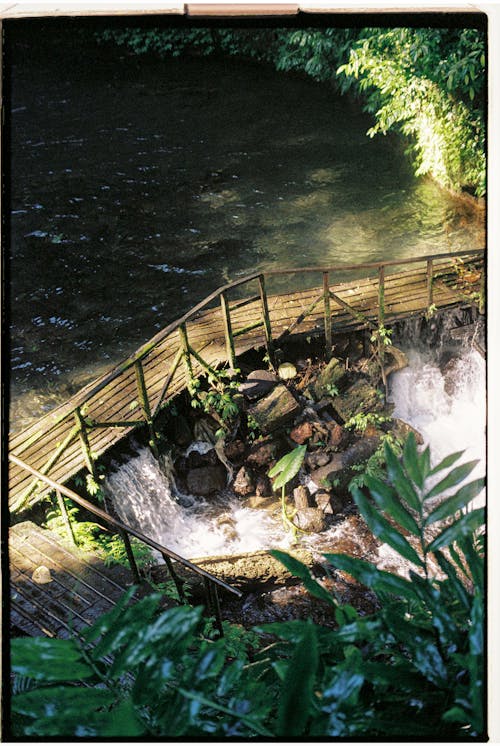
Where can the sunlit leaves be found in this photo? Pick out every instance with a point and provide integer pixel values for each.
(287, 467)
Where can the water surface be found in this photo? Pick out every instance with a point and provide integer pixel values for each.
(138, 186)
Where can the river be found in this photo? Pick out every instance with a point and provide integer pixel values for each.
(137, 186)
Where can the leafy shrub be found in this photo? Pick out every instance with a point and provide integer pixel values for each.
(412, 669)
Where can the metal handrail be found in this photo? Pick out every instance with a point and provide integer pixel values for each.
(125, 530)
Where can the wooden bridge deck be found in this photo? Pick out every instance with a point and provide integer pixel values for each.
(79, 591)
(215, 332)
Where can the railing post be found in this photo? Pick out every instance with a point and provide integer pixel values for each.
(213, 603)
(381, 319)
(328, 316)
(228, 331)
(429, 282)
(65, 517)
(187, 357)
(146, 409)
(84, 440)
(130, 556)
(266, 320)
(381, 295)
(177, 581)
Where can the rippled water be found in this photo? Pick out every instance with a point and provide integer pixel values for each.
(138, 186)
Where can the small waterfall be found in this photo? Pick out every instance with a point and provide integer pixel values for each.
(446, 404)
(442, 393)
(145, 497)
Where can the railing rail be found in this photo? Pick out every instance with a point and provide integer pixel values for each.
(147, 391)
(95, 387)
(211, 581)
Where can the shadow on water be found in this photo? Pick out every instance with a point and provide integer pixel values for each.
(140, 185)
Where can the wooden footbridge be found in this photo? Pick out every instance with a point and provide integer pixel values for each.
(215, 332)
(46, 455)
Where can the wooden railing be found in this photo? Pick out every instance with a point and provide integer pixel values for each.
(211, 333)
(211, 582)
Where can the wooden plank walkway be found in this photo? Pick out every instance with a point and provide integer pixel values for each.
(81, 587)
(215, 332)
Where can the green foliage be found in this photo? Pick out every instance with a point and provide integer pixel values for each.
(360, 421)
(412, 669)
(219, 400)
(283, 472)
(287, 467)
(382, 335)
(427, 84)
(90, 537)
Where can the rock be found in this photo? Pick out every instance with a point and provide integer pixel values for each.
(235, 451)
(182, 434)
(316, 459)
(341, 462)
(263, 486)
(324, 475)
(258, 383)
(359, 398)
(336, 433)
(205, 480)
(263, 453)
(275, 410)
(41, 575)
(247, 570)
(402, 429)
(328, 377)
(399, 360)
(244, 482)
(301, 497)
(310, 519)
(301, 432)
(287, 371)
(322, 499)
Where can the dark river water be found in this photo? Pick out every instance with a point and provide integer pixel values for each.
(137, 186)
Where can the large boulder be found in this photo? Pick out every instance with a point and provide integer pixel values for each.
(205, 480)
(263, 453)
(328, 378)
(244, 482)
(258, 383)
(340, 464)
(360, 398)
(311, 520)
(277, 409)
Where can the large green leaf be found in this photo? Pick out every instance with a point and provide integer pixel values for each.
(297, 692)
(399, 479)
(464, 527)
(413, 464)
(299, 570)
(46, 659)
(172, 630)
(65, 711)
(446, 462)
(454, 477)
(456, 502)
(377, 580)
(388, 501)
(383, 529)
(287, 467)
(459, 591)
